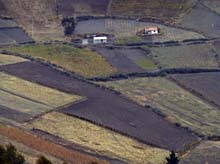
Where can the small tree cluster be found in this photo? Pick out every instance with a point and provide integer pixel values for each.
(172, 159)
(69, 25)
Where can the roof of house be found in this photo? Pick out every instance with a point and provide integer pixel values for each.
(100, 38)
(151, 28)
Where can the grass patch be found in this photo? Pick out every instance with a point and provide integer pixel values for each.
(146, 64)
(99, 139)
(81, 61)
(7, 59)
(178, 105)
(128, 40)
(192, 56)
(31, 98)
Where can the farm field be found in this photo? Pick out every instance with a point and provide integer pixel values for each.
(29, 154)
(46, 147)
(29, 98)
(7, 23)
(99, 139)
(205, 85)
(127, 60)
(213, 5)
(7, 59)
(100, 110)
(81, 61)
(208, 152)
(82, 7)
(209, 25)
(128, 28)
(168, 99)
(190, 56)
(165, 10)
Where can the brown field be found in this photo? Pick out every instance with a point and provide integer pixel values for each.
(178, 105)
(31, 155)
(161, 9)
(81, 61)
(7, 59)
(208, 152)
(47, 147)
(99, 140)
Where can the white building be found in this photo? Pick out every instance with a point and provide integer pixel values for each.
(85, 41)
(151, 30)
(100, 39)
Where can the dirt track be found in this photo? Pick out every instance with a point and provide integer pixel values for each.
(106, 108)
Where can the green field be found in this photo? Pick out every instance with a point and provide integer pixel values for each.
(31, 98)
(7, 59)
(98, 139)
(191, 56)
(81, 61)
(178, 105)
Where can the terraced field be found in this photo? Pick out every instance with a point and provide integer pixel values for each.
(99, 140)
(190, 56)
(81, 61)
(120, 116)
(7, 59)
(168, 99)
(207, 152)
(29, 98)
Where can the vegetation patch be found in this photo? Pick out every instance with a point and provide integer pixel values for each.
(146, 64)
(7, 59)
(171, 101)
(99, 139)
(81, 61)
(191, 56)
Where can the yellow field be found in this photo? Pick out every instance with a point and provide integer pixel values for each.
(7, 59)
(44, 95)
(99, 139)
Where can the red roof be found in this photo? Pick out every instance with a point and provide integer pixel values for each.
(151, 28)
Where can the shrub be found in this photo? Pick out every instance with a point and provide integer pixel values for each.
(43, 160)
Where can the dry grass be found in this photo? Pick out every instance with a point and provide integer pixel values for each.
(99, 139)
(178, 105)
(7, 59)
(44, 95)
(81, 61)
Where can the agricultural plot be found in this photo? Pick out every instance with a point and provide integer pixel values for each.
(176, 104)
(8, 59)
(127, 60)
(7, 23)
(213, 5)
(106, 108)
(28, 98)
(98, 139)
(46, 147)
(29, 154)
(165, 10)
(82, 7)
(81, 61)
(128, 28)
(205, 85)
(209, 25)
(190, 56)
(207, 152)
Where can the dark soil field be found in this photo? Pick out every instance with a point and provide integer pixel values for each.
(106, 108)
(204, 84)
(82, 7)
(13, 115)
(118, 58)
(206, 153)
(203, 20)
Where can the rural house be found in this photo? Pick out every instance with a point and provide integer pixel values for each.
(151, 30)
(100, 39)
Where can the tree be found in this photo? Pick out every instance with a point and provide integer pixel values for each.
(43, 160)
(172, 159)
(69, 25)
(9, 155)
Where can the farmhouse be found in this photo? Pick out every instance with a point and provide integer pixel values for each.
(100, 39)
(151, 30)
